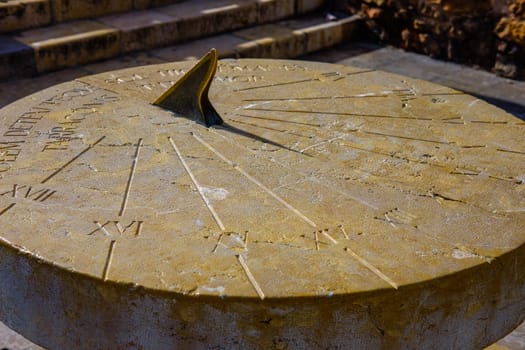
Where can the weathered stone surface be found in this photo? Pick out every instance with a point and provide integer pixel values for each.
(226, 45)
(339, 207)
(269, 10)
(273, 40)
(144, 4)
(143, 30)
(72, 43)
(16, 15)
(64, 10)
(327, 34)
(80, 42)
(197, 19)
(25, 14)
(308, 5)
(16, 58)
(292, 38)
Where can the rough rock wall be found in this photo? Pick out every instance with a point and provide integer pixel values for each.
(510, 30)
(486, 33)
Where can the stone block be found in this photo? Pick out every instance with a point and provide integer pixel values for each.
(293, 45)
(17, 15)
(143, 29)
(225, 44)
(304, 21)
(308, 5)
(121, 62)
(204, 18)
(72, 43)
(322, 35)
(351, 27)
(16, 58)
(13, 89)
(273, 10)
(273, 41)
(144, 4)
(263, 31)
(68, 9)
(247, 49)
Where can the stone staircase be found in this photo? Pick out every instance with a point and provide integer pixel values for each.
(45, 35)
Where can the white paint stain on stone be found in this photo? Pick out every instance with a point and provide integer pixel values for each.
(216, 194)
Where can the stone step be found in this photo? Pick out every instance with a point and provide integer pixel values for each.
(16, 15)
(77, 42)
(288, 38)
(284, 39)
(24, 14)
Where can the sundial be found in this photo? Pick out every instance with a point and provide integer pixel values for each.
(260, 203)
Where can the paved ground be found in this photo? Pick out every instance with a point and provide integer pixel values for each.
(507, 94)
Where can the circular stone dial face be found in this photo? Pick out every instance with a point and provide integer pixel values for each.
(323, 180)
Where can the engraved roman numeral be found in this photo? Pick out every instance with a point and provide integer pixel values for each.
(40, 195)
(100, 227)
(6, 209)
(72, 160)
(113, 228)
(122, 229)
(333, 76)
(29, 192)
(405, 95)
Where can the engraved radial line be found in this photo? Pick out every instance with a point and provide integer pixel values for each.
(196, 184)
(395, 156)
(6, 209)
(218, 243)
(509, 151)
(344, 232)
(109, 259)
(444, 167)
(320, 143)
(256, 182)
(313, 98)
(269, 128)
(443, 93)
(404, 137)
(252, 279)
(277, 84)
(336, 113)
(332, 239)
(372, 268)
(72, 160)
(489, 122)
(361, 72)
(130, 179)
(279, 120)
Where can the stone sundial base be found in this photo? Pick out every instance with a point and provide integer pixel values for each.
(333, 207)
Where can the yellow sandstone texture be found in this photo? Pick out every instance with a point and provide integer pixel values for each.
(336, 207)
